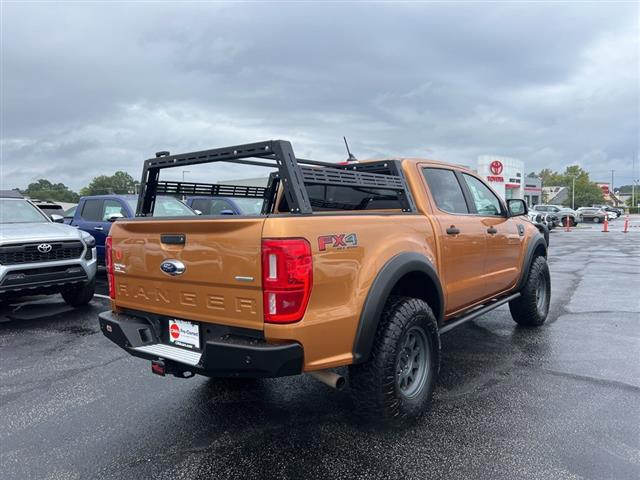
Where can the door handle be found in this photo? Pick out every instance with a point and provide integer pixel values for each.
(452, 230)
(492, 230)
(98, 228)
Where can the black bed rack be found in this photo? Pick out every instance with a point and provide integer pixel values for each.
(209, 190)
(294, 173)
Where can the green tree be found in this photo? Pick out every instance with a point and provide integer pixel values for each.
(43, 189)
(549, 178)
(587, 192)
(118, 183)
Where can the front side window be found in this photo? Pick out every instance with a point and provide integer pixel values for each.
(250, 206)
(165, 207)
(446, 190)
(112, 207)
(20, 211)
(170, 207)
(487, 204)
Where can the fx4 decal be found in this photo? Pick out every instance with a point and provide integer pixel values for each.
(338, 240)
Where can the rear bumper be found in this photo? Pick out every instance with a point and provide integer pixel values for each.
(226, 356)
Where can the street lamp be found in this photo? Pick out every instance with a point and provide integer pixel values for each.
(573, 191)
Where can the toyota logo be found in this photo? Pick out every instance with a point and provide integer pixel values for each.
(496, 167)
(44, 248)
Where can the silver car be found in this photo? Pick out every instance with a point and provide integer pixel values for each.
(562, 213)
(39, 255)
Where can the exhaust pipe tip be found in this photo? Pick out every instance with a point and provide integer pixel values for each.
(329, 378)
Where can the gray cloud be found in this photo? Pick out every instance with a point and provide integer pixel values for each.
(91, 88)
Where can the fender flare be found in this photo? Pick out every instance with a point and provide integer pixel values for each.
(537, 241)
(381, 288)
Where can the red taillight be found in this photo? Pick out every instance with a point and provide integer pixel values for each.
(108, 260)
(287, 277)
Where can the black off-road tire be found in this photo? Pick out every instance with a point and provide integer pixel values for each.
(80, 295)
(532, 306)
(380, 387)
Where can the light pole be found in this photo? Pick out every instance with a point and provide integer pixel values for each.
(573, 191)
(184, 197)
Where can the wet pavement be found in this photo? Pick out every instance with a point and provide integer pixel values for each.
(562, 401)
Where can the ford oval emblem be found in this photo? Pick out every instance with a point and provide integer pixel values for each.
(172, 267)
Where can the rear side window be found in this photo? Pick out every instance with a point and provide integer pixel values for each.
(487, 204)
(92, 210)
(446, 190)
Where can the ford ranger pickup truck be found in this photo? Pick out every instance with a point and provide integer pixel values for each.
(362, 265)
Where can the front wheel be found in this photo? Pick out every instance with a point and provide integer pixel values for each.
(80, 295)
(397, 381)
(532, 306)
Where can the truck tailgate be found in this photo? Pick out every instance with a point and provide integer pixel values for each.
(221, 282)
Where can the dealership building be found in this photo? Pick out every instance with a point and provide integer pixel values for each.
(506, 176)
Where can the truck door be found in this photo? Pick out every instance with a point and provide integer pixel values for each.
(504, 241)
(89, 218)
(462, 239)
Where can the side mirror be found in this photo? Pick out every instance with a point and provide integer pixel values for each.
(227, 212)
(198, 212)
(114, 216)
(516, 207)
(57, 218)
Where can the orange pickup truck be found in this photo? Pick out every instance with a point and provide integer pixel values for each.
(362, 265)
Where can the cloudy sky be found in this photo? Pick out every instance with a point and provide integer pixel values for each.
(90, 88)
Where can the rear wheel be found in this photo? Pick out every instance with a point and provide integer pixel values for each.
(80, 295)
(596, 219)
(532, 306)
(397, 381)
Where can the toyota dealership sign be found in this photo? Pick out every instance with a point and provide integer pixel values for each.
(504, 174)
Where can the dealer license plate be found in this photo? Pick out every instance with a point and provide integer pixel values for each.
(184, 334)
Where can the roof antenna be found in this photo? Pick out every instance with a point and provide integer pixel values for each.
(351, 158)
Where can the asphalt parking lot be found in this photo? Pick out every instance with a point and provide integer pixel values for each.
(562, 401)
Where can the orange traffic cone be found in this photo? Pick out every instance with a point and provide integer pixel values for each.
(605, 225)
(626, 224)
(567, 224)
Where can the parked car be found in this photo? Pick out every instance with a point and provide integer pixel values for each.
(225, 205)
(589, 213)
(559, 212)
(38, 255)
(607, 208)
(362, 265)
(48, 207)
(95, 214)
(538, 220)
